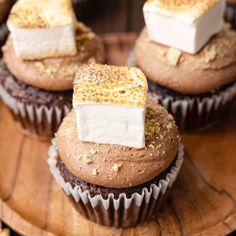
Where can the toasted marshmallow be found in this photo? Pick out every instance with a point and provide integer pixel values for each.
(183, 24)
(110, 105)
(42, 28)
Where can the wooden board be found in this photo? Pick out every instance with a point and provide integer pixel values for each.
(202, 201)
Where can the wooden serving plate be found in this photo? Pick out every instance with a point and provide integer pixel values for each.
(202, 201)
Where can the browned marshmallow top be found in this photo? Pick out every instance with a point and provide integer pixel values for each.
(107, 84)
(41, 14)
(194, 9)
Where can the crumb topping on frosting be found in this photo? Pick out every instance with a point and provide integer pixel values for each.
(173, 56)
(41, 13)
(94, 172)
(106, 84)
(212, 67)
(217, 47)
(195, 8)
(117, 167)
(83, 34)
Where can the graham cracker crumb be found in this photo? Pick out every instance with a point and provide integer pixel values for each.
(93, 152)
(173, 56)
(152, 127)
(94, 172)
(151, 146)
(210, 53)
(117, 167)
(87, 160)
(169, 126)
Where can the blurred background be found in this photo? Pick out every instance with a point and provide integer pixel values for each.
(111, 16)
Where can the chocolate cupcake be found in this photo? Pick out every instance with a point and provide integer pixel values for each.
(230, 12)
(39, 111)
(196, 82)
(36, 82)
(195, 89)
(118, 173)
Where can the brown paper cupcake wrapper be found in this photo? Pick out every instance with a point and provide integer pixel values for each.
(196, 114)
(121, 211)
(36, 120)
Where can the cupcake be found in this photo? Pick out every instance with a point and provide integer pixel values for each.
(193, 76)
(117, 153)
(40, 58)
(230, 12)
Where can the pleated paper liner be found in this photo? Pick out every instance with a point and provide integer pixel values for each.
(122, 211)
(36, 120)
(197, 113)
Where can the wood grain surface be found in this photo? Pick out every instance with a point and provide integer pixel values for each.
(202, 200)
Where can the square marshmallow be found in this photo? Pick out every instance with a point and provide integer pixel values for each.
(42, 29)
(186, 25)
(110, 105)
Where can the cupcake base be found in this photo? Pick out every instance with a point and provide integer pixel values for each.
(115, 207)
(39, 112)
(195, 112)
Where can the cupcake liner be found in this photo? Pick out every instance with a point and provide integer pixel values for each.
(122, 211)
(197, 114)
(36, 120)
(194, 113)
(230, 14)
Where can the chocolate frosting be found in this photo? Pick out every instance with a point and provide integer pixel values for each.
(104, 191)
(29, 94)
(55, 74)
(117, 166)
(212, 67)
